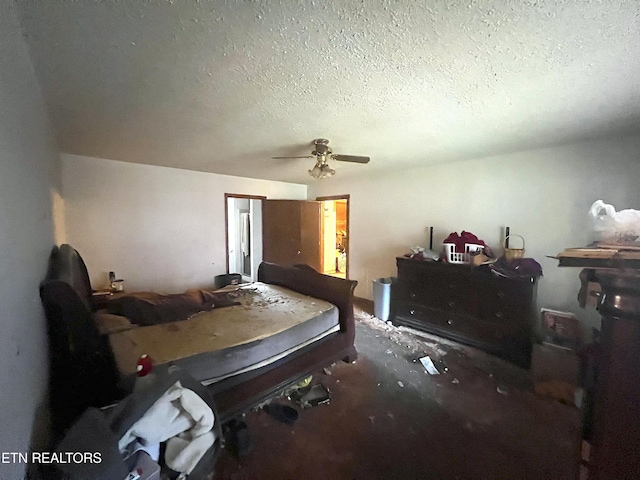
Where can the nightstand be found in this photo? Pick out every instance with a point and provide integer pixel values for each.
(100, 298)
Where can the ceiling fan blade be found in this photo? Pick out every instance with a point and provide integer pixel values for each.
(351, 158)
(280, 158)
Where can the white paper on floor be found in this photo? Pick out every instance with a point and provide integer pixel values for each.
(428, 364)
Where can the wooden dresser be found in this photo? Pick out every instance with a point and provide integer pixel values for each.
(613, 416)
(467, 304)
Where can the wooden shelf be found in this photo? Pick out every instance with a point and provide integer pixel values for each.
(601, 256)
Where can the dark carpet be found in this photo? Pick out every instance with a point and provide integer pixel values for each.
(390, 419)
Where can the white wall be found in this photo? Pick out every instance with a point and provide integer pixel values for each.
(158, 228)
(27, 163)
(163, 229)
(543, 195)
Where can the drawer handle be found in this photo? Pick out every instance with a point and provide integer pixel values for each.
(499, 314)
(452, 304)
(412, 295)
(452, 286)
(500, 294)
(450, 322)
(412, 312)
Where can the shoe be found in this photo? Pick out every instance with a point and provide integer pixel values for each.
(238, 438)
(282, 413)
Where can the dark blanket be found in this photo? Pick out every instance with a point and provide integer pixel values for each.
(148, 308)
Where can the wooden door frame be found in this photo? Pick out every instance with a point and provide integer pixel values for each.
(347, 198)
(226, 220)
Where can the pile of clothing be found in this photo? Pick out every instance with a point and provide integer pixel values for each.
(183, 420)
(517, 268)
(167, 423)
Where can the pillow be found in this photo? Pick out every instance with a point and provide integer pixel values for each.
(109, 323)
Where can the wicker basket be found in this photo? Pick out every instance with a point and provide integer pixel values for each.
(513, 253)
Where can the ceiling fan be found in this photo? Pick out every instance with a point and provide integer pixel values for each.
(322, 154)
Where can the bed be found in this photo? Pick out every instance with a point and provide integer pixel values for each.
(244, 342)
(268, 322)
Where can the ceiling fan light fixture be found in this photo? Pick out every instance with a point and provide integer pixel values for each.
(321, 170)
(322, 153)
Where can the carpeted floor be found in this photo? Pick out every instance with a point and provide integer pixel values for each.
(388, 418)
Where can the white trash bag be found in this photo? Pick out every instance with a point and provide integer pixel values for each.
(612, 226)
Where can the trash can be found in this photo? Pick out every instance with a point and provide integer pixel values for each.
(382, 297)
(227, 279)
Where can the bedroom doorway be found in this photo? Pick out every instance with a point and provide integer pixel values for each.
(335, 235)
(243, 225)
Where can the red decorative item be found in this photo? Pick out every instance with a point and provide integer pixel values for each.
(144, 366)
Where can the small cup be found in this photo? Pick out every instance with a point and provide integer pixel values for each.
(117, 286)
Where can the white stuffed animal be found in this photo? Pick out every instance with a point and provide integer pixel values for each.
(612, 226)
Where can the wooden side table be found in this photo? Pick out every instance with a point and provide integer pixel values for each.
(100, 298)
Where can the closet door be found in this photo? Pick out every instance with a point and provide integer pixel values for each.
(292, 232)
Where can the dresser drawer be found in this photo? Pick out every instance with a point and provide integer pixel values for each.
(455, 326)
(450, 296)
(472, 329)
(428, 317)
(419, 313)
(507, 301)
(445, 281)
(490, 332)
(424, 318)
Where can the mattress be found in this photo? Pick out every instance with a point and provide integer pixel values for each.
(269, 323)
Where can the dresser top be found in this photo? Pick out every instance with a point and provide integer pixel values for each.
(460, 269)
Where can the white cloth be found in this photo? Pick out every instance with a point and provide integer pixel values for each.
(244, 233)
(182, 455)
(182, 412)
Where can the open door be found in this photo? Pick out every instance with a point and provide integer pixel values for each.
(335, 257)
(292, 232)
(243, 214)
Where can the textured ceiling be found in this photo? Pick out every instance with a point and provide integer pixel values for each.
(223, 86)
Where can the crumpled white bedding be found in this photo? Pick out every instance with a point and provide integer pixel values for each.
(182, 419)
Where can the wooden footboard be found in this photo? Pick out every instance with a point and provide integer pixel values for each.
(239, 393)
(306, 280)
